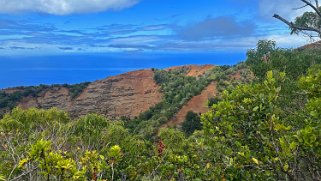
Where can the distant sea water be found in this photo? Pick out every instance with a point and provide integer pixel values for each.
(71, 69)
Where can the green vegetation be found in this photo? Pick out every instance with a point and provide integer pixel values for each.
(177, 89)
(192, 123)
(248, 128)
(9, 100)
(262, 126)
(268, 57)
(76, 89)
(294, 62)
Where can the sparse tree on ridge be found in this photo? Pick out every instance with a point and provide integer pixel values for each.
(309, 23)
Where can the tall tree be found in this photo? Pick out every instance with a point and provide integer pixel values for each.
(309, 23)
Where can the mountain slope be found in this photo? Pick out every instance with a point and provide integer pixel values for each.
(193, 70)
(130, 94)
(197, 104)
(311, 46)
(125, 95)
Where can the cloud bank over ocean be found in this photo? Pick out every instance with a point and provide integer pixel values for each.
(63, 7)
(38, 27)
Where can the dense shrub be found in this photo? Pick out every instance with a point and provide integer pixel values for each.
(192, 122)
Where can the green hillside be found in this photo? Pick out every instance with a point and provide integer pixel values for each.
(264, 125)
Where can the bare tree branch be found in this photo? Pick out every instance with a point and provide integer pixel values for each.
(315, 8)
(305, 29)
(26, 173)
(295, 27)
(300, 7)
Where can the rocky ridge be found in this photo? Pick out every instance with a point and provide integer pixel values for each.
(125, 95)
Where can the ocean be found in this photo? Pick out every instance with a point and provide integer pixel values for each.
(71, 69)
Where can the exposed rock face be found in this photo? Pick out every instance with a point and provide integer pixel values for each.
(28, 102)
(124, 95)
(54, 97)
(197, 104)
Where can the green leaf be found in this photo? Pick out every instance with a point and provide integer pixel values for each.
(256, 161)
(23, 162)
(255, 108)
(286, 167)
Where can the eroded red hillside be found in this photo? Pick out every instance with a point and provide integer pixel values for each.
(127, 95)
(124, 95)
(193, 70)
(197, 104)
(315, 45)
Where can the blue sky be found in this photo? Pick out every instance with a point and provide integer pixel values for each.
(38, 27)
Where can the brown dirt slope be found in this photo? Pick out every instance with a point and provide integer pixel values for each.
(197, 104)
(124, 95)
(54, 97)
(12, 90)
(193, 70)
(315, 45)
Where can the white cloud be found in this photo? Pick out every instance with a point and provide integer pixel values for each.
(63, 7)
(145, 39)
(286, 40)
(285, 8)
